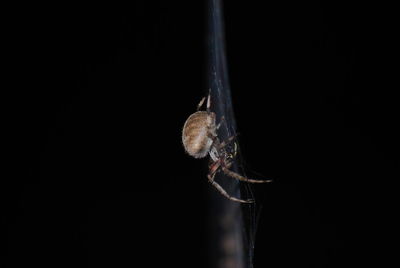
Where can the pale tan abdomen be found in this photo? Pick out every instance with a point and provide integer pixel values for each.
(196, 134)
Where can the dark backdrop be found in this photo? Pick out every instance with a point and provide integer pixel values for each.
(102, 92)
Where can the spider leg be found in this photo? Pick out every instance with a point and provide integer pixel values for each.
(228, 164)
(201, 103)
(225, 143)
(209, 101)
(224, 193)
(235, 175)
(214, 167)
(220, 122)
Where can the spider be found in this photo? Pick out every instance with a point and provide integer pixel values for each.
(199, 138)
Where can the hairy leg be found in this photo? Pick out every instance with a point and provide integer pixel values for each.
(208, 102)
(235, 175)
(224, 193)
(201, 103)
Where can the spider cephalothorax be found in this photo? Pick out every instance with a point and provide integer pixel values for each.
(199, 137)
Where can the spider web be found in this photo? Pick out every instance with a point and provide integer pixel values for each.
(232, 225)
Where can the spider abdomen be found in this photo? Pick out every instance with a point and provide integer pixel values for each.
(198, 133)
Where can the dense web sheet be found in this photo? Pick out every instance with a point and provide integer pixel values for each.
(232, 225)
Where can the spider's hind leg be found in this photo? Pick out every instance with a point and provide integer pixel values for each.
(209, 101)
(201, 103)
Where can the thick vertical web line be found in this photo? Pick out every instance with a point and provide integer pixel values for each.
(230, 227)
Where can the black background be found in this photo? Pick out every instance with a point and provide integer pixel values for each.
(102, 92)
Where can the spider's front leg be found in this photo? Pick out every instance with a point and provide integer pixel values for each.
(224, 193)
(230, 173)
(213, 170)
